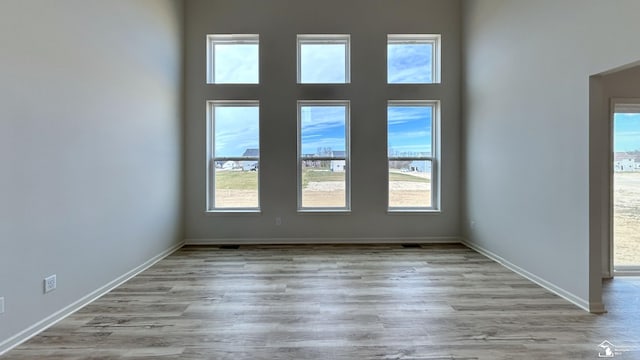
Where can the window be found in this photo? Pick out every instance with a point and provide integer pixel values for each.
(323, 155)
(323, 59)
(234, 160)
(413, 59)
(232, 59)
(412, 136)
(625, 186)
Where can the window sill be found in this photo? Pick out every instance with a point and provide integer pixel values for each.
(232, 212)
(324, 212)
(414, 212)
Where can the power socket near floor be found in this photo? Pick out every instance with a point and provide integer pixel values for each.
(1, 305)
(50, 283)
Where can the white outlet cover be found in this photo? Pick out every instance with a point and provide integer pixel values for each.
(1, 305)
(50, 283)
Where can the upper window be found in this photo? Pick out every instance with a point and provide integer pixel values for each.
(413, 59)
(233, 59)
(412, 152)
(323, 59)
(234, 160)
(323, 155)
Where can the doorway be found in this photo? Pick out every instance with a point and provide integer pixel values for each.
(625, 180)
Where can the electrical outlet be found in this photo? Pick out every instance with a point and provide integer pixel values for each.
(1, 305)
(278, 221)
(50, 283)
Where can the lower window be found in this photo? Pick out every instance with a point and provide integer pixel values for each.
(234, 155)
(323, 155)
(412, 154)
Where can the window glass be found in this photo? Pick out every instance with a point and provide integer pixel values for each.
(323, 59)
(323, 171)
(236, 155)
(233, 59)
(412, 59)
(410, 147)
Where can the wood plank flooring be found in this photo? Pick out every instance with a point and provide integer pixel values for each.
(338, 302)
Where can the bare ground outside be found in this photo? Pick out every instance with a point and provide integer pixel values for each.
(626, 219)
(239, 189)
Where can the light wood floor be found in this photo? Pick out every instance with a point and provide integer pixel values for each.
(337, 302)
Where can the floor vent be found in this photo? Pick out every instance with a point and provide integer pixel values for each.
(411, 245)
(230, 247)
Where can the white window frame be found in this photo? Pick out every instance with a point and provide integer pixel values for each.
(433, 39)
(347, 154)
(345, 39)
(211, 156)
(213, 39)
(434, 158)
(620, 106)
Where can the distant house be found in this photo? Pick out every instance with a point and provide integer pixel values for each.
(250, 165)
(626, 161)
(229, 165)
(338, 165)
(420, 166)
(251, 153)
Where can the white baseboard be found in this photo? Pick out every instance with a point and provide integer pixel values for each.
(52, 319)
(596, 308)
(626, 272)
(306, 240)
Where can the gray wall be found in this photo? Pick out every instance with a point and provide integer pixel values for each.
(90, 146)
(278, 22)
(530, 188)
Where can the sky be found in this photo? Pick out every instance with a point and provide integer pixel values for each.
(322, 63)
(626, 132)
(409, 63)
(236, 63)
(322, 127)
(409, 130)
(236, 128)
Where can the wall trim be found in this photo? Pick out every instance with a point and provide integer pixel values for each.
(327, 240)
(61, 314)
(596, 308)
(626, 272)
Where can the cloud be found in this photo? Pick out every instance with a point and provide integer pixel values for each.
(417, 134)
(409, 63)
(236, 63)
(402, 114)
(322, 126)
(322, 63)
(409, 129)
(237, 129)
(311, 147)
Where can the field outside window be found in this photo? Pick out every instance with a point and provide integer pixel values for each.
(323, 148)
(626, 186)
(235, 162)
(411, 139)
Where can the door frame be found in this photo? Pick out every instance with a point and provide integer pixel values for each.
(613, 269)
